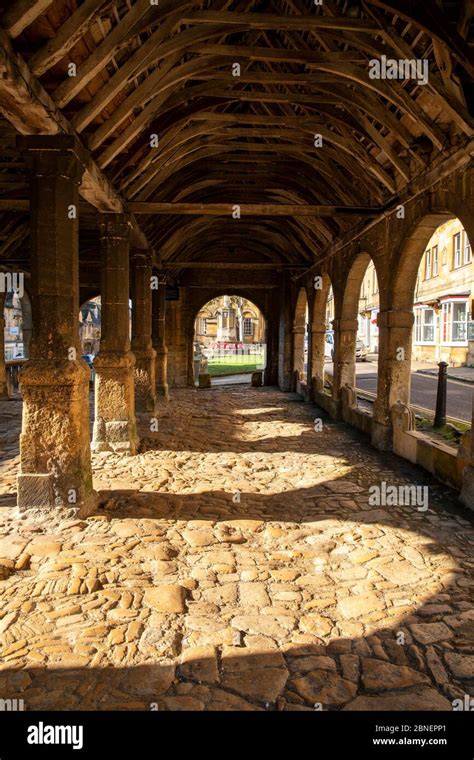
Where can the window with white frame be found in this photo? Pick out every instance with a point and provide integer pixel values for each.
(457, 250)
(467, 249)
(425, 325)
(203, 326)
(434, 261)
(427, 264)
(454, 318)
(248, 327)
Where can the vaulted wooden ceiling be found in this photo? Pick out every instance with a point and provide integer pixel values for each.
(168, 70)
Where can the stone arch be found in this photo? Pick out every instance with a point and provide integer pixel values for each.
(396, 321)
(347, 325)
(409, 255)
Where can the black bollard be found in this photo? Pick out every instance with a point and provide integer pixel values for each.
(440, 414)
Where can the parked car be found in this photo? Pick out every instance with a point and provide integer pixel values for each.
(89, 360)
(361, 351)
(361, 348)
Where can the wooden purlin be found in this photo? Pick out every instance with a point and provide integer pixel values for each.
(168, 70)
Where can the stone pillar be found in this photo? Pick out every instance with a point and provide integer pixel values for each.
(467, 492)
(115, 426)
(318, 334)
(55, 463)
(145, 356)
(394, 372)
(344, 371)
(298, 355)
(158, 339)
(285, 335)
(3, 371)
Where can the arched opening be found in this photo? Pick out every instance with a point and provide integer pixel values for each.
(430, 319)
(90, 330)
(229, 340)
(16, 328)
(90, 326)
(359, 331)
(300, 342)
(322, 334)
(18, 324)
(443, 308)
(443, 299)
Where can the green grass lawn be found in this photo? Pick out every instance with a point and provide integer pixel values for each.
(234, 365)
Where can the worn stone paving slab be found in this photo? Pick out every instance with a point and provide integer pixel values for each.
(237, 563)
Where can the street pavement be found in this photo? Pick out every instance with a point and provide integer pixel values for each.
(423, 388)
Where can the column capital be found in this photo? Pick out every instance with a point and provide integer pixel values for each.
(54, 155)
(345, 324)
(141, 257)
(318, 327)
(114, 226)
(392, 318)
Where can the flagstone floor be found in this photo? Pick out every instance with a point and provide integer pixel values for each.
(237, 564)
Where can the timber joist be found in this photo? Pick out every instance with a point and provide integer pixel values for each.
(214, 104)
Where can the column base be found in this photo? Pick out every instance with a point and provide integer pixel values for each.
(466, 496)
(115, 426)
(55, 471)
(36, 492)
(382, 436)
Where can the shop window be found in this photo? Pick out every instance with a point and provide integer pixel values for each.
(454, 317)
(457, 250)
(425, 325)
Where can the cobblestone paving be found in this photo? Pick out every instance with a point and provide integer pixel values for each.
(236, 564)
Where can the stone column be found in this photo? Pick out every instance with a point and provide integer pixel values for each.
(318, 333)
(344, 372)
(467, 492)
(394, 372)
(145, 356)
(158, 339)
(55, 463)
(298, 355)
(3, 371)
(115, 427)
(285, 336)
